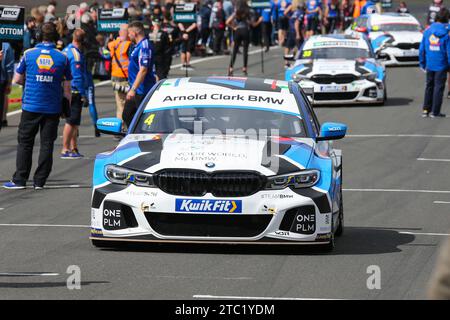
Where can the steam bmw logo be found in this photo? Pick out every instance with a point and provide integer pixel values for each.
(210, 165)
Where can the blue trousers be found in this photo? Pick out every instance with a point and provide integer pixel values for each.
(434, 91)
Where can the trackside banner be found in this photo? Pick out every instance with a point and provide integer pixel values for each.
(12, 21)
(260, 4)
(185, 13)
(109, 20)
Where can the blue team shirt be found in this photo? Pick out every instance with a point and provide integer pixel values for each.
(142, 56)
(77, 67)
(45, 69)
(266, 13)
(296, 15)
(369, 8)
(312, 5)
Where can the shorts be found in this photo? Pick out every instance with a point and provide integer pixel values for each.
(283, 23)
(313, 23)
(290, 41)
(75, 110)
(189, 44)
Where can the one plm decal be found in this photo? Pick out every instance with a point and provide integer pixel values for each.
(208, 206)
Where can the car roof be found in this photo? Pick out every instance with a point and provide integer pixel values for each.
(391, 17)
(224, 92)
(335, 40)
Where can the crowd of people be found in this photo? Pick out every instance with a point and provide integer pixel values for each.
(140, 54)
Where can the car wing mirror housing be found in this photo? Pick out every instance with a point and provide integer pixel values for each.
(110, 126)
(332, 131)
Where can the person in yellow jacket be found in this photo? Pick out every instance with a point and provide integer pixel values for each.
(359, 4)
(119, 49)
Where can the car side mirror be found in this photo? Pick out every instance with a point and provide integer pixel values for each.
(332, 131)
(110, 126)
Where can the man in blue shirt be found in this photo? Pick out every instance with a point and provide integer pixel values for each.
(79, 83)
(141, 77)
(6, 74)
(43, 70)
(434, 58)
(313, 13)
(370, 7)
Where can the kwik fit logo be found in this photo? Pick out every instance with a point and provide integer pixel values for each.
(217, 206)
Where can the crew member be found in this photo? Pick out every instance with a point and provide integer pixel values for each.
(161, 45)
(43, 70)
(6, 75)
(141, 76)
(434, 57)
(119, 49)
(79, 96)
(369, 8)
(433, 11)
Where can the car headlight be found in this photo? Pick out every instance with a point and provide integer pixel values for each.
(372, 76)
(299, 77)
(303, 179)
(121, 175)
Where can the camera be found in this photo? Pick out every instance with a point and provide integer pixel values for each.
(121, 88)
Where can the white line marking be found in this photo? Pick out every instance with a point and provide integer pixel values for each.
(396, 136)
(204, 278)
(205, 296)
(425, 233)
(2, 209)
(397, 190)
(441, 202)
(43, 225)
(28, 274)
(434, 160)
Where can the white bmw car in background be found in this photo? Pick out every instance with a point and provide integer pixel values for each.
(395, 37)
(339, 69)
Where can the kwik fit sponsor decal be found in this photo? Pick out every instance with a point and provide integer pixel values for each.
(213, 206)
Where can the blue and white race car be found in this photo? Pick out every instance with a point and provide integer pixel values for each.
(221, 160)
(339, 69)
(395, 37)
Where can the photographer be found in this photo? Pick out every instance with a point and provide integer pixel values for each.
(42, 78)
(119, 49)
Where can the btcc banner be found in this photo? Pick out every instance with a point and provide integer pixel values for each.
(185, 13)
(109, 20)
(260, 4)
(12, 21)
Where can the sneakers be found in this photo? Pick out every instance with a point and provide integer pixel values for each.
(425, 114)
(36, 187)
(71, 155)
(12, 186)
(440, 115)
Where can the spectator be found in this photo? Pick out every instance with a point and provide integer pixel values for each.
(402, 8)
(205, 16)
(313, 13)
(140, 70)
(171, 29)
(217, 25)
(120, 49)
(50, 14)
(346, 14)
(434, 56)
(79, 97)
(29, 36)
(332, 16)
(6, 75)
(41, 107)
(369, 8)
(161, 45)
(189, 37)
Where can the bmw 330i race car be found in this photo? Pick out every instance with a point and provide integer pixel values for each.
(395, 37)
(339, 69)
(218, 159)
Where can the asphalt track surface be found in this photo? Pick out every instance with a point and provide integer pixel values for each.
(397, 206)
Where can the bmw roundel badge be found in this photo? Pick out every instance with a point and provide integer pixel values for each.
(210, 165)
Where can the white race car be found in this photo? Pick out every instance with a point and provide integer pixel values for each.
(395, 37)
(223, 160)
(339, 69)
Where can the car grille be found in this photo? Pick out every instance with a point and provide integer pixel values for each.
(408, 46)
(407, 59)
(208, 225)
(220, 184)
(328, 79)
(335, 96)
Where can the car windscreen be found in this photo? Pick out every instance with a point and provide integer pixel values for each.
(219, 120)
(388, 27)
(335, 53)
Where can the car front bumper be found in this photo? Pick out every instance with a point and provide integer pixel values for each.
(149, 215)
(398, 57)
